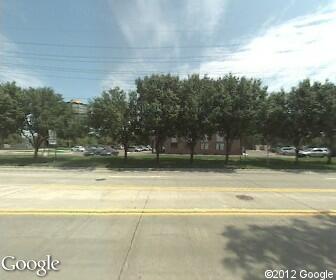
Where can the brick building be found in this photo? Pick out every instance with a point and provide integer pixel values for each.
(79, 108)
(209, 146)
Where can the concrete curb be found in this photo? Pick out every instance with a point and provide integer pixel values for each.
(217, 170)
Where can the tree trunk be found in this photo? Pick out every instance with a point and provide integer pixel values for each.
(330, 147)
(329, 158)
(268, 154)
(125, 152)
(2, 142)
(241, 147)
(192, 151)
(36, 148)
(296, 155)
(227, 149)
(37, 144)
(157, 150)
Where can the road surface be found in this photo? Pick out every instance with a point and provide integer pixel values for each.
(104, 224)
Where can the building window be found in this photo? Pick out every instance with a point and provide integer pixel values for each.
(204, 145)
(220, 146)
(219, 138)
(173, 140)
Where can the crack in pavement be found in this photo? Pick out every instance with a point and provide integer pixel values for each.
(132, 240)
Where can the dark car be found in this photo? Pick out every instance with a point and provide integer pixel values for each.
(89, 152)
(106, 151)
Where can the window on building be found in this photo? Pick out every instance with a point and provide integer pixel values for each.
(219, 138)
(220, 146)
(204, 145)
(173, 140)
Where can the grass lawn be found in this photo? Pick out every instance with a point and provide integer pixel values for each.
(166, 161)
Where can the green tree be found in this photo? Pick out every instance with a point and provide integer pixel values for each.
(75, 127)
(158, 105)
(235, 107)
(193, 120)
(11, 111)
(302, 112)
(223, 114)
(114, 114)
(326, 100)
(273, 119)
(251, 97)
(44, 111)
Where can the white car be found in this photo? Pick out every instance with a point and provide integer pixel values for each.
(315, 152)
(138, 149)
(287, 151)
(78, 149)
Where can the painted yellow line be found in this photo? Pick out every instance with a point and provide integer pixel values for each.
(166, 212)
(187, 189)
(138, 176)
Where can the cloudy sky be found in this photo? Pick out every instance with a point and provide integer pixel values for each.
(81, 47)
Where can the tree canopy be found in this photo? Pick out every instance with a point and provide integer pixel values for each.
(44, 110)
(11, 110)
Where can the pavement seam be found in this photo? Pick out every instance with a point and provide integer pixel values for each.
(190, 189)
(298, 201)
(132, 240)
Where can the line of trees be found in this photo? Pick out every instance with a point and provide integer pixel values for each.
(166, 106)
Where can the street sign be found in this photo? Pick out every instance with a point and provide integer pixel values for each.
(52, 139)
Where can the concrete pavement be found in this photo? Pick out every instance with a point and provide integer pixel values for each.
(170, 247)
(105, 190)
(168, 225)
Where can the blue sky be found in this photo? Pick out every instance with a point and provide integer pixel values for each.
(81, 47)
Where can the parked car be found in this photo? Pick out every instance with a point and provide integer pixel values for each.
(106, 151)
(78, 149)
(287, 151)
(118, 147)
(138, 149)
(89, 152)
(100, 151)
(315, 152)
(112, 151)
(131, 148)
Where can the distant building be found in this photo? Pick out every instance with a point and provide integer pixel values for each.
(209, 146)
(78, 107)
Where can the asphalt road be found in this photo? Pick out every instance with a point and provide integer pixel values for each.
(168, 225)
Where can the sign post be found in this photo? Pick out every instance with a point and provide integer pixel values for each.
(52, 139)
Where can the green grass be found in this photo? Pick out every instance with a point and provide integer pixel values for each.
(166, 162)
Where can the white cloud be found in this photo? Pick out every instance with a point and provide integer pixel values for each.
(284, 54)
(9, 72)
(143, 20)
(205, 15)
(149, 23)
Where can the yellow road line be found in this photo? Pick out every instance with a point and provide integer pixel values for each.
(188, 189)
(166, 212)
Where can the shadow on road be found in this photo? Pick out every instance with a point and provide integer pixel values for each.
(168, 163)
(301, 244)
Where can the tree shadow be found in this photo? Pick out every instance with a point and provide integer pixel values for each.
(167, 163)
(301, 244)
